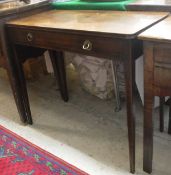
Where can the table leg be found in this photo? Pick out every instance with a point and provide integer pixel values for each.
(128, 67)
(22, 85)
(169, 128)
(162, 101)
(116, 85)
(58, 64)
(148, 132)
(148, 108)
(14, 82)
(13, 76)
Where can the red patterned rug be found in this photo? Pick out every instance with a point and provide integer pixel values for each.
(20, 157)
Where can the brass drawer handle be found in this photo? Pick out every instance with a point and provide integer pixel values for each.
(87, 45)
(29, 37)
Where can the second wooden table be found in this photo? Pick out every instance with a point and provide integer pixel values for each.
(157, 78)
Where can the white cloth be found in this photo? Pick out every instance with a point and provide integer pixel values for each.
(95, 75)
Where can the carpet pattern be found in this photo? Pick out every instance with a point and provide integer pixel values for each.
(20, 157)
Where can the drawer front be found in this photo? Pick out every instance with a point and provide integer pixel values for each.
(162, 77)
(162, 54)
(80, 43)
(162, 66)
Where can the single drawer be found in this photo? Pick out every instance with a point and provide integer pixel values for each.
(162, 53)
(162, 74)
(162, 65)
(68, 41)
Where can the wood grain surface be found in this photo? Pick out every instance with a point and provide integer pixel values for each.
(158, 32)
(113, 22)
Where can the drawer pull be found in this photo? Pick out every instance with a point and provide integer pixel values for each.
(87, 45)
(29, 37)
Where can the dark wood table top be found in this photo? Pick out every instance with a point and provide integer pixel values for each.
(116, 23)
(150, 5)
(159, 32)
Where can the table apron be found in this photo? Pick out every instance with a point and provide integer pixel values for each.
(100, 46)
(161, 67)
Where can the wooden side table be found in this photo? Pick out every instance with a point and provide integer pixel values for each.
(150, 5)
(157, 78)
(110, 34)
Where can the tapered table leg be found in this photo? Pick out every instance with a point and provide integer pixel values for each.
(116, 85)
(169, 127)
(162, 101)
(22, 85)
(58, 64)
(14, 82)
(13, 76)
(128, 67)
(148, 108)
(148, 133)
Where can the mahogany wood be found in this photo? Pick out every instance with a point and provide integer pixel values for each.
(157, 79)
(169, 127)
(161, 123)
(109, 34)
(57, 59)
